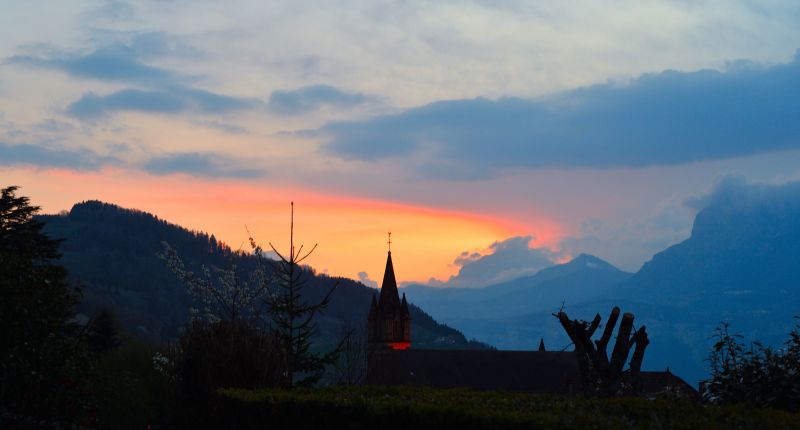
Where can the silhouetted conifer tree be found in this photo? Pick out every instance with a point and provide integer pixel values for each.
(293, 317)
(40, 356)
(103, 332)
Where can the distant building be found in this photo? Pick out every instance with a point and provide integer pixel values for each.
(392, 360)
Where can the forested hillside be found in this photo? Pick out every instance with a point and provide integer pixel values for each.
(112, 252)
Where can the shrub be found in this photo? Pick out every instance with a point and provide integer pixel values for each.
(130, 392)
(757, 375)
(228, 353)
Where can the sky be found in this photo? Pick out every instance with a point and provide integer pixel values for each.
(492, 138)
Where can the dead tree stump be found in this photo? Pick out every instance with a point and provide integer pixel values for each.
(600, 374)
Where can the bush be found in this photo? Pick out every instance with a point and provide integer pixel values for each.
(755, 375)
(228, 353)
(407, 407)
(130, 392)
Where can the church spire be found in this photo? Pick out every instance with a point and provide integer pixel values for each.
(389, 319)
(389, 294)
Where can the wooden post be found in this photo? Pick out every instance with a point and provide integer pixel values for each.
(620, 352)
(609, 329)
(595, 324)
(596, 368)
(640, 338)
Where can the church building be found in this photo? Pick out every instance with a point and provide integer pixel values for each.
(389, 320)
(392, 361)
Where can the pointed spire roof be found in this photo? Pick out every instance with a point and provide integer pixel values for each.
(373, 307)
(389, 293)
(541, 344)
(404, 306)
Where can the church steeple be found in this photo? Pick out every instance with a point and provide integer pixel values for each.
(389, 293)
(389, 318)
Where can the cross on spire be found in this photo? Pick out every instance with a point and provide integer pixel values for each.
(390, 241)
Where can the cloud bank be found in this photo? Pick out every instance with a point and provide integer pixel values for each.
(199, 164)
(47, 156)
(158, 90)
(168, 101)
(312, 98)
(509, 259)
(734, 192)
(666, 118)
(117, 62)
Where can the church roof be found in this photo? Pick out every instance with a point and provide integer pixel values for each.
(526, 371)
(390, 298)
(655, 383)
(555, 372)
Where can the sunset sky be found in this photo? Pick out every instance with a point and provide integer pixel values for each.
(501, 136)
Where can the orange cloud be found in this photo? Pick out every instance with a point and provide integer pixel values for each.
(351, 231)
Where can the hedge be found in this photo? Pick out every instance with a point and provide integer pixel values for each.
(417, 408)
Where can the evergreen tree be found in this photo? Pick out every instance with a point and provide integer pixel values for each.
(293, 317)
(103, 332)
(38, 348)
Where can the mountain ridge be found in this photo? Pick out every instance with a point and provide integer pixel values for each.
(739, 265)
(546, 289)
(112, 251)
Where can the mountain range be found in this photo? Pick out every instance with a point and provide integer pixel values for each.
(739, 265)
(584, 278)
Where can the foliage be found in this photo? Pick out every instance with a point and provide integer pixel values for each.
(113, 252)
(103, 332)
(410, 407)
(130, 392)
(222, 292)
(227, 353)
(42, 354)
(292, 314)
(755, 375)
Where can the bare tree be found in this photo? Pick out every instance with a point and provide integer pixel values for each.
(350, 367)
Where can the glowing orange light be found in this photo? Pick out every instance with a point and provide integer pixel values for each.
(400, 345)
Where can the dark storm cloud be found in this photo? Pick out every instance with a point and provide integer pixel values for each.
(735, 192)
(665, 118)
